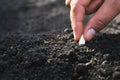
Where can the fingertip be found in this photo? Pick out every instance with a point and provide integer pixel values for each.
(89, 34)
(76, 37)
(77, 31)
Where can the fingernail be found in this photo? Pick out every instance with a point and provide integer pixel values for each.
(90, 34)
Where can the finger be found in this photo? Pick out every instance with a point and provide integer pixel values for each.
(67, 2)
(101, 18)
(77, 14)
(93, 6)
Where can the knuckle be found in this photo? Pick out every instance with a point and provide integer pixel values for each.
(98, 24)
(116, 4)
(73, 6)
(74, 11)
(74, 2)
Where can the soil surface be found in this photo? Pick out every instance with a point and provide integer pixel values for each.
(36, 43)
(33, 16)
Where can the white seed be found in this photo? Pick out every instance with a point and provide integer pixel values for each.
(81, 41)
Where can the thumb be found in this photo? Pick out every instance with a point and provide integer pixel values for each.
(101, 18)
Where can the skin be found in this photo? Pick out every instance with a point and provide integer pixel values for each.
(104, 11)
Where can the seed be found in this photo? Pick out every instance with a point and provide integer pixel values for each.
(82, 41)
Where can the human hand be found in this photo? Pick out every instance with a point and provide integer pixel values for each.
(105, 11)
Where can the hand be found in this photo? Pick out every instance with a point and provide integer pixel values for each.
(105, 11)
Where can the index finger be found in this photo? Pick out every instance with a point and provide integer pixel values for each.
(77, 15)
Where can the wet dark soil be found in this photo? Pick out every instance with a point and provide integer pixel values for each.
(35, 46)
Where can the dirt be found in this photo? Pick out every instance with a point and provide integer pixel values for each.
(59, 57)
(34, 45)
(28, 17)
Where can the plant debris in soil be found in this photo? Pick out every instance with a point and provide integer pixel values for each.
(59, 57)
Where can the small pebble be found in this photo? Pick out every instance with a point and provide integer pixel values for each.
(27, 64)
(105, 62)
(117, 68)
(107, 56)
(67, 30)
(105, 72)
(81, 68)
(102, 71)
(116, 75)
(46, 42)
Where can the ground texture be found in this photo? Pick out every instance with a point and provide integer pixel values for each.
(28, 52)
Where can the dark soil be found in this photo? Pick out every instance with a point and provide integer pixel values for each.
(27, 17)
(59, 57)
(28, 53)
